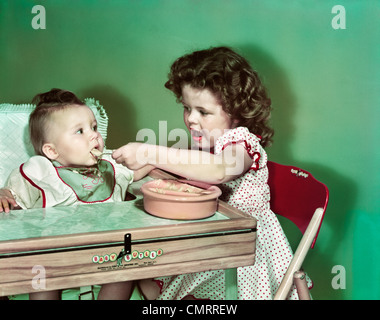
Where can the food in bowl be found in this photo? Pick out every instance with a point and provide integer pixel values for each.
(175, 199)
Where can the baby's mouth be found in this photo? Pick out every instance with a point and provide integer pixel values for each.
(96, 153)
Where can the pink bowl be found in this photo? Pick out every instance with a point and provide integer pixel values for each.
(180, 200)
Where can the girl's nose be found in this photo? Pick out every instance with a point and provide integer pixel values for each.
(192, 117)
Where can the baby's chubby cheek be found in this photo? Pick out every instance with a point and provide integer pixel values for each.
(101, 143)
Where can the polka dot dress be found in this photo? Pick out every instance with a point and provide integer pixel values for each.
(249, 193)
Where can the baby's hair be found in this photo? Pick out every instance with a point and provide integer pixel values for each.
(46, 104)
(232, 80)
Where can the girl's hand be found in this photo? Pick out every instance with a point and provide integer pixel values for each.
(133, 155)
(7, 202)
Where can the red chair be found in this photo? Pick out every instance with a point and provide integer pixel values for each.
(298, 196)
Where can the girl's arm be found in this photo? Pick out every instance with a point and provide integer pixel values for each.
(142, 172)
(231, 163)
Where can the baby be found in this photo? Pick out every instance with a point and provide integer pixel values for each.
(67, 169)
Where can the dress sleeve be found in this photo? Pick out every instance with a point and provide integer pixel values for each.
(248, 140)
(26, 195)
(37, 185)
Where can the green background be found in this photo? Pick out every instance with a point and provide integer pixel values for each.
(324, 84)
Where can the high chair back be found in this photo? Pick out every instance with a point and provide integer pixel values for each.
(298, 196)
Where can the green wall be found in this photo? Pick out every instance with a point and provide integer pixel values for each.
(322, 82)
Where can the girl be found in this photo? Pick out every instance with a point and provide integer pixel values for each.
(66, 169)
(226, 110)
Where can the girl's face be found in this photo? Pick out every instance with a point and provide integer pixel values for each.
(72, 134)
(204, 116)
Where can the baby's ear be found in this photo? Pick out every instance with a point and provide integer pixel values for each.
(49, 150)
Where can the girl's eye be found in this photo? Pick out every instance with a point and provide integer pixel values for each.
(186, 108)
(203, 113)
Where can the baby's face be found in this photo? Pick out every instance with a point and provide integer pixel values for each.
(73, 133)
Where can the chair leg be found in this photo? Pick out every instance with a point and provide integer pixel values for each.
(231, 284)
(299, 256)
(301, 285)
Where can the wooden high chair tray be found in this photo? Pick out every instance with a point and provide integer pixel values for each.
(83, 245)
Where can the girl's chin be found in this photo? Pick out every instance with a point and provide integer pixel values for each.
(201, 146)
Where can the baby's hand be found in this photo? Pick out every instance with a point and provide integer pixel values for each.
(7, 201)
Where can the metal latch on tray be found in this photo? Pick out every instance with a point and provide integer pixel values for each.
(127, 246)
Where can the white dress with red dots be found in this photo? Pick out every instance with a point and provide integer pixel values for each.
(248, 193)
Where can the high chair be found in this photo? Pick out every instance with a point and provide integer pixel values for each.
(15, 148)
(299, 197)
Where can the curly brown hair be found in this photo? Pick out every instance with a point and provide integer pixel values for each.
(232, 80)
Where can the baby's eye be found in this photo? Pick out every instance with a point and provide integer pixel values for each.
(80, 131)
(95, 128)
